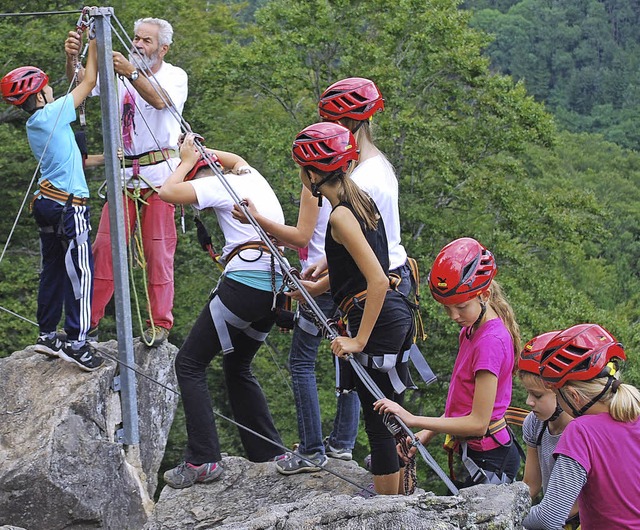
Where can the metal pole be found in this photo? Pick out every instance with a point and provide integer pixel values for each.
(110, 133)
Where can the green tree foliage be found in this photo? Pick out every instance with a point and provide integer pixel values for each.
(579, 56)
(475, 155)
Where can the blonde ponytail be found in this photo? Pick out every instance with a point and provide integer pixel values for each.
(624, 403)
(499, 303)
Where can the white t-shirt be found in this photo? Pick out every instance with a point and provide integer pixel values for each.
(211, 193)
(314, 251)
(376, 176)
(154, 129)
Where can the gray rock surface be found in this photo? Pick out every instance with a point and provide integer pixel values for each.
(61, 465)
(255, 497)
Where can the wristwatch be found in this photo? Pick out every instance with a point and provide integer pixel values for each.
(134, 75)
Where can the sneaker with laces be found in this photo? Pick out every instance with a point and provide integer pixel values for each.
(186, 474)
(296, 462)
(340, 454)
(155, 335)
(83, 357)
(50, 346)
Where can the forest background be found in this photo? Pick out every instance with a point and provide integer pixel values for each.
(511, 122)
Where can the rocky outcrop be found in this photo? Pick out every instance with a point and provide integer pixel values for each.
(255, 497)
(62, 465)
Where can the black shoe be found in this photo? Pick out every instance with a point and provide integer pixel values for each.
(49, 346)
(84, 357)
(93, 334)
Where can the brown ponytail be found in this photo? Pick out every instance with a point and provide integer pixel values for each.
(500, 305)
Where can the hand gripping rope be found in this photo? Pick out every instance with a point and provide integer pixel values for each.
(329, 328)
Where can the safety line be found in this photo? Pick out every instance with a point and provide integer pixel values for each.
(292, 280)
(35, 173)
(19, 316)
(134, 367)
(39, 13)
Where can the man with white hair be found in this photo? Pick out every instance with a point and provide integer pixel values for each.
(152, 94)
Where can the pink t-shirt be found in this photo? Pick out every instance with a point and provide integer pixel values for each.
(609, 451)
(491, 349)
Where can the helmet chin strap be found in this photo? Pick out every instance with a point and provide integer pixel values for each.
(315, 188)
(579, 412)
(476, 324)
(556, 413)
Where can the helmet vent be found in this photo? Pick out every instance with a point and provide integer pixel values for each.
(564, 360)
(469, 269)
(547, 353)
(583, 365)
(576, 350)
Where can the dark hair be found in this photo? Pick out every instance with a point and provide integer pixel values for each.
(30, 104)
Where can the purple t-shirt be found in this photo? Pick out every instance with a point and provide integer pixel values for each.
(491, 349)
(609, 451)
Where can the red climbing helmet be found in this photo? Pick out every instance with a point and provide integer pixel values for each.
(579, 353)
(20, 83)
(355, 97)
(529, 360)
(462, 270)
(203, 162)
(325, 146)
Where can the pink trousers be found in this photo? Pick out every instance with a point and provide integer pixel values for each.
(159, 239)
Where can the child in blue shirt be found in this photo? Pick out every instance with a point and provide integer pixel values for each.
(60, 209)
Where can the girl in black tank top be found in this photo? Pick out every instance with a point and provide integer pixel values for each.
(357, 256)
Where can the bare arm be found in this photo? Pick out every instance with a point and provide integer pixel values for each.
(294, 236)
(346, 230)
(175, 190)
(94, 160)
(532, 474)
(153, 94)
(474, 424)
(230, 161)
(90, 77)
(72, 48)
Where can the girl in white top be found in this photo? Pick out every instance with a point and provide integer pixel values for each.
(236, 320)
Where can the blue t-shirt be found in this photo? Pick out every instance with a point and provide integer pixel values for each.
(62, 162)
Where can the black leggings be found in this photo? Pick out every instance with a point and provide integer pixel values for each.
(246, 398)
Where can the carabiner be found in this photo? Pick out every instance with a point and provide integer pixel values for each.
(84, 20)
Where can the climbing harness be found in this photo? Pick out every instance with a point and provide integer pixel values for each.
(48, 190)
(135, 368)
(223, 317)
(292, 281)
(454, 444)
(388, 363)
(149, 158)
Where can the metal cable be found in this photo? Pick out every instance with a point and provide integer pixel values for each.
(40, 13)
(331, 332)
(139, 371)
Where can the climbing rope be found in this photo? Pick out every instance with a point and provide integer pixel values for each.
(328, 326)
(35, 172)
(135, 368)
